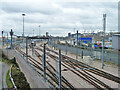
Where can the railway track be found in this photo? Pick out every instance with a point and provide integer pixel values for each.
(82, 75)
(50, 74)
(69, 63)
(95, 71)
(63, 79)
(89, 78)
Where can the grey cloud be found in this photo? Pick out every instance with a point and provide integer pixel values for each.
(83, 5)
(15, 7)
(58, 19)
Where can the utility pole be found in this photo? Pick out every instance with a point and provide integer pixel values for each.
(27, 49)
(44, 62)
(77, 46)
(93, 43)
(91, 49)
(11, 34)
(60, 69)
(104, 27)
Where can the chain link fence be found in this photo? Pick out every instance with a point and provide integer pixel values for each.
(111, 57)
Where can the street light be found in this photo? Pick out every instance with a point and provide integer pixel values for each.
(23, 26)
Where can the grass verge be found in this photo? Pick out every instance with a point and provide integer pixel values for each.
(18, 77)
(8, 81)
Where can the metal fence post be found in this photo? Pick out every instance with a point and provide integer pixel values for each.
(77, 46)
(54, 44)
(60, 69)
(32, 49)
(82, 54)
(44, 62)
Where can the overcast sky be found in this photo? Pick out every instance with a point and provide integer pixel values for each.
(58, 17)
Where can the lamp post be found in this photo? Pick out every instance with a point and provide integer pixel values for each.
(23, 26)
(39, 30)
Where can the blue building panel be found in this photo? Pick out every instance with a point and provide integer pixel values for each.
(85, 39)
(95, 45)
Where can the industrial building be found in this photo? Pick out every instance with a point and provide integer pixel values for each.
(74, 35)
(116, 41)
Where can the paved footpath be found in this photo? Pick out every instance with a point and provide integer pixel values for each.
(5, 68)
(32, 77)
(3, 72)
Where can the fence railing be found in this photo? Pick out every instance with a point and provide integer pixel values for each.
(12, 78)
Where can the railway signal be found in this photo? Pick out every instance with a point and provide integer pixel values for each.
(11, 34)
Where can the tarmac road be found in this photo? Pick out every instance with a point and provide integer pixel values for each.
(1, 75)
